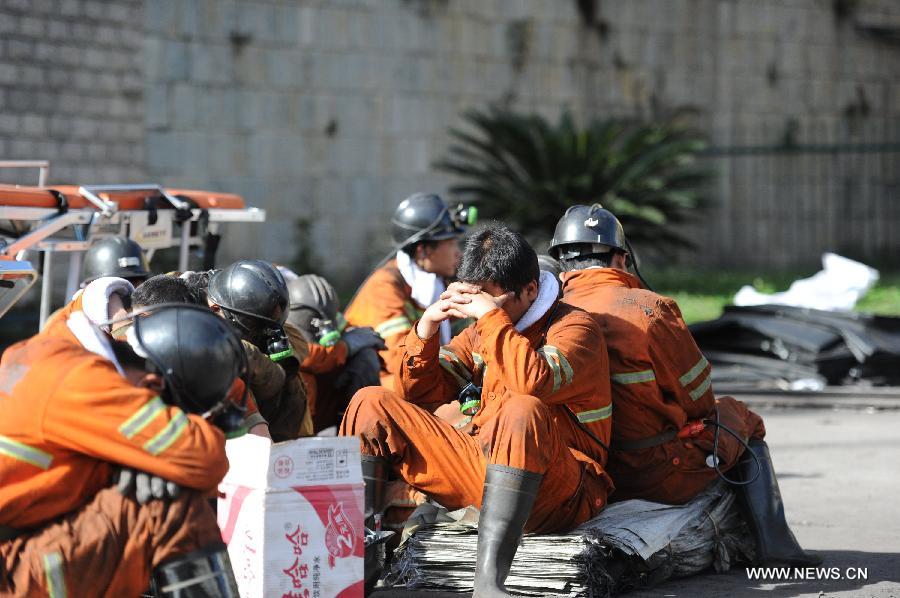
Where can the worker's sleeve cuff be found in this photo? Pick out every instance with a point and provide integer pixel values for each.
(422, 348)
(254, 419)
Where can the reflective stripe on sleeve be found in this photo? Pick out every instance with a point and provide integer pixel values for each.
(451, 362)
(634, 377)
(167, 435)
(53, 574)
(695, 371)
(23, 452)
(142, 417)
(700, 390)
(568, 374)
(557, 374)
(595, 415)
(393, 326)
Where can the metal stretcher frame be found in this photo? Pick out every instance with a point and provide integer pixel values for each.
(104, 218)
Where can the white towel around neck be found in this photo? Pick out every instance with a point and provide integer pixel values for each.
(548, 291)
(426, 287)
(91, 338)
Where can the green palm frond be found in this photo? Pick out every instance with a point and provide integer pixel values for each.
(525, 170)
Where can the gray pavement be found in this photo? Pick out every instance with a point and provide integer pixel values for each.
(839, 472)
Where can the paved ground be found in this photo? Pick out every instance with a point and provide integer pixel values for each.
(840, 479)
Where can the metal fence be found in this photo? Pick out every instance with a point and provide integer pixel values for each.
(781, 205)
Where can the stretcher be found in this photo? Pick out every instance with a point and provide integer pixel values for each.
(69, 218)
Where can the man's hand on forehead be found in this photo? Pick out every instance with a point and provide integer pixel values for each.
(457, 288)
(477, 304)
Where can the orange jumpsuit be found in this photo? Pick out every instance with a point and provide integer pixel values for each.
(68, 419)
(318, 373)
(535, 385)
(58, 326)
(660, 382)
(385, 304)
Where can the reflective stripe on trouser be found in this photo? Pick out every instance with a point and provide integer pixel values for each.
(450, 466)
(107, 547)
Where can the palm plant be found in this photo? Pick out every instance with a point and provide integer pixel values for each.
(526, 171)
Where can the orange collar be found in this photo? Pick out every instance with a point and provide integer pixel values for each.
(604, 276)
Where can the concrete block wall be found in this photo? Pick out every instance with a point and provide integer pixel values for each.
(328, 113)
(71, 89)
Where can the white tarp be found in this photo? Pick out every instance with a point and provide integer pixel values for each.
(837, 287)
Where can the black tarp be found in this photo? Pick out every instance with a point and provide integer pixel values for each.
(787, 347)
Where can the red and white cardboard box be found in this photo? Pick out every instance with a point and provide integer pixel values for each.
(292, 516)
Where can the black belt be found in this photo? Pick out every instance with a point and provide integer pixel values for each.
(644, 443)
(8, 533)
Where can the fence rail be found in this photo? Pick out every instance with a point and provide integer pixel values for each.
(782, 205)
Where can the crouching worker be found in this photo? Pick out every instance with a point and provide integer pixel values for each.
(72, 418)
(253, 296)
(340, 361)
(667, 421)
(531, 374)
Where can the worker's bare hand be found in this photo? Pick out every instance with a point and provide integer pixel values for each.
(460, 288)
(476, 305)
(438, 312)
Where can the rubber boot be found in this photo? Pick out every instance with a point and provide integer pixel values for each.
(204, 573)
(775, 542)
(509, 494)
(374, 470)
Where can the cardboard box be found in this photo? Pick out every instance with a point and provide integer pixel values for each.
(292, 516)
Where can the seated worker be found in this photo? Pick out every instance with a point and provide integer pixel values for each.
(165, 288)
(393, 297)
(71, 418)
(340, 360)
(532, 375)
(252, 295)
(115, 256)
(666, 417)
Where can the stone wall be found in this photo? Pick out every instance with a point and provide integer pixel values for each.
(71, 89)
(328, 113)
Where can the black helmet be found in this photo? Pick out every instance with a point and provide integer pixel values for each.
(426, 217)
(253, 292)
(314, 309)
(587, 225)
(115, 256)
(182, 340)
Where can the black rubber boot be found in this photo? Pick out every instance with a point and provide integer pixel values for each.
(505, 506)
(374, 470)
(775, 542)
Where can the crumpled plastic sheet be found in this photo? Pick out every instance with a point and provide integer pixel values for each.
(632, 544)
(837, 287)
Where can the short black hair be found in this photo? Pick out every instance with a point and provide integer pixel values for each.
(500, 255)
(585, 259)
(198, 283)
(162, 288)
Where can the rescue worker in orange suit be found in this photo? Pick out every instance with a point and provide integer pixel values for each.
(340, 360)
(72, 417)
(393, 298)
(528, 373)
(253, 296)
(665, 413)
